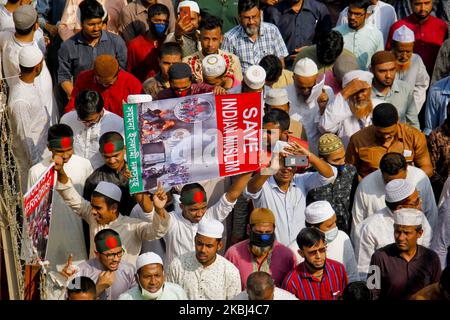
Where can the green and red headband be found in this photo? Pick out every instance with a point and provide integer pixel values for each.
(111, 146)
(110, 242)
(61, 143)
(193, 197)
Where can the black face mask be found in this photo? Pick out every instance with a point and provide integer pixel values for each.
(262, 239)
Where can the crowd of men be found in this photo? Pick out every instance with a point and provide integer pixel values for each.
(360, 88)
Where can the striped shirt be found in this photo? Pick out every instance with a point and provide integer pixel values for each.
(250, 52)
(306, 287)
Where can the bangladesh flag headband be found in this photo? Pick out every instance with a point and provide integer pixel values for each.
(192, 197)
(61, 143)
(110, 242)
(111, 146)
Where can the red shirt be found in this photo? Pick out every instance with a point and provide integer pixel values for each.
(113, 95)
(306, 287)
(142, 59)
(429, 37)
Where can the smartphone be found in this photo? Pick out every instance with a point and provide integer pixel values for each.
(185, 11)
(296, 161)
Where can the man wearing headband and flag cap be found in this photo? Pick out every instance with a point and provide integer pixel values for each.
(66, 232)
(115, 170)
(193, 208)
(79, 52)
(261, 252)
(370, 194)
(151, 281)
(377, 230)
(404, 267)
(386, 134)
(30, 119)
(321, 215)
(108, 79)
(112, 275)
(204, 274)
(339, 193)
(308, 99)
(103, 212)
(387, 88)
(181, 85)
(352, 108)
(410, 67)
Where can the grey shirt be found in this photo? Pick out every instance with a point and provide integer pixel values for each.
(76, 55)
(440, 242)
(401, 96)
(123, 282)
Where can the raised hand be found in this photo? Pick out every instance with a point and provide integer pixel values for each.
(105, 280)
(160, 197)
(322, 101)
(69, 270)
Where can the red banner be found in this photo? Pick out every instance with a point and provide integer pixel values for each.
(41, 188)
(239, 127)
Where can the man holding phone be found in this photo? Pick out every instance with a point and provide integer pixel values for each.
(281, 190)
(186, 32)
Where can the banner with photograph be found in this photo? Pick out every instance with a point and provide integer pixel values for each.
(190, 139)
(38, 210)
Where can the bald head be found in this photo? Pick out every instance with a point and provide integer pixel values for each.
(260, 286)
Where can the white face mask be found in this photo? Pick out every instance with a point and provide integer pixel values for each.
(330, 235)
(147, 295)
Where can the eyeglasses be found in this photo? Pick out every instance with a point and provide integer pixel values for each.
(314, 252)
(110, 256)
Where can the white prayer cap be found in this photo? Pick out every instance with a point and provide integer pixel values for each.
(403, 34)
(357, 74)
(30, 56)
(255, 77)
(276, 97)
(408, 217)
(139, 98)
(148, 258)
(398, 189)
(214, 65)
(305, 68)
(191, 4)
(109, 189)
(318, 212)
(211, 228)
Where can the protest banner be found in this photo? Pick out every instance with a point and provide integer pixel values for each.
(38, 210)
(190, 139)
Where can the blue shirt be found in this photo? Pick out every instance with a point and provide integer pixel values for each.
(76, 55)
(436, 107)
(300, 29)
(250, 52)
(50, 11)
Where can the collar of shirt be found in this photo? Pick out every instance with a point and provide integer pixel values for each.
(81, 39)
(274, 185)
(304, 272)
(286, 7)
(396, 252)
(394, 89)
(140, 7)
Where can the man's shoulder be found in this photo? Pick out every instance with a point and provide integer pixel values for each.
(336, 265)
(440, 85)
(135, 43)
(411, 131)
(114, 38)
(359, 137)
(81, 163)
(233, 33)
(269, 27)
(438, 23)
(236, 249)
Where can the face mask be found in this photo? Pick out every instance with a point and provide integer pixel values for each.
(147, 295)
(181, 93)
(330, 235)
(159, 29)
(339, 167)
(262, 240)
